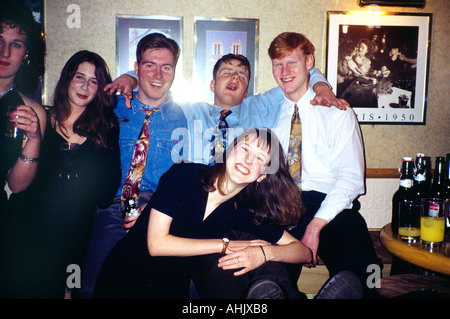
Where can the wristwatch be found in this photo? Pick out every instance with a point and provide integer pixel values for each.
(225, 241)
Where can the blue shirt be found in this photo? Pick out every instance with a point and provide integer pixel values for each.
(202, 118)
(258, 111)
(167, 129)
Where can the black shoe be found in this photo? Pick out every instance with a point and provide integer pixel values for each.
(343, 285)
(265, 289)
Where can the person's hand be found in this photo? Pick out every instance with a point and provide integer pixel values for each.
(131, 220)
(246, 260)
(26, 119)
(311, 237)
(124, 84)
(325, 97)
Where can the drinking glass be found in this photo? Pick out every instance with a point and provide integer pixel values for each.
(13, 132)
(409, 221)
(70, 159)
(432, 221)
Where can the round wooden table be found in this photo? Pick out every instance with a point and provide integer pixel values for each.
(435, 259)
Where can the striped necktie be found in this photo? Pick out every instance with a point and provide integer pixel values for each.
(218, 139)
(132, 183)
(294, 154)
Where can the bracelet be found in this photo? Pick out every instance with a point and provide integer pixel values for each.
(265, 258)
(25, 159)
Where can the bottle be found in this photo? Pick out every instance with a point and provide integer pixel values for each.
(131, 208)
(438, 187)
(422, 176)
(405, 190)
(447, 234)
(447, 182)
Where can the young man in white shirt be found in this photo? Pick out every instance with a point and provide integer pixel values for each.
(332, 173)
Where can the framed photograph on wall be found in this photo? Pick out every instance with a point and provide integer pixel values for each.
(217, 37)
(130, 29)
(379, 64)
(393, 3)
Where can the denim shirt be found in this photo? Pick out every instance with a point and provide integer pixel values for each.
(167, 129)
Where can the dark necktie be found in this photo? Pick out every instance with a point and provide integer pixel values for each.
(218, 139)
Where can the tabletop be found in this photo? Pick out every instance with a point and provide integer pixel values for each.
(435, 259)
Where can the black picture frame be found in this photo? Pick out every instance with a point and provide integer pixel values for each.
(394, 89)
(393, 3)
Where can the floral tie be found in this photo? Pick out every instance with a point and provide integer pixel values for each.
(132, 183)
(218, 139)
(294, 155)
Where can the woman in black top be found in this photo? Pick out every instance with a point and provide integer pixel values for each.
(21, 62)
(194, 207)
(56, 214)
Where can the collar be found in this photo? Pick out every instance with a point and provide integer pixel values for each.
(138, 106)
(214, 111)
(301, 103)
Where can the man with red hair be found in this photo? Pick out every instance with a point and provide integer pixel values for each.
(332, 165)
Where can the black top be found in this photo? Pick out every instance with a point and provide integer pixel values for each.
(99, 171)
(130, 272)
(10, 148)
(50, 224)
(180, 195)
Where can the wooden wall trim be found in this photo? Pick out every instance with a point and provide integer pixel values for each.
(385, 173)
(382, 173)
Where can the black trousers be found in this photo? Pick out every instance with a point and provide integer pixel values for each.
(345, 244)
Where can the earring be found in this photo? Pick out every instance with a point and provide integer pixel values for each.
(26, 60)
(256, 186)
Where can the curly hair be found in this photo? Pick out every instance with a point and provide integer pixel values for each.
(16, 15)
(274, 200)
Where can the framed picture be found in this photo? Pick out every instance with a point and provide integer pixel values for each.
(379, 64)
(217, 37)
(393, 3)
(130, 29)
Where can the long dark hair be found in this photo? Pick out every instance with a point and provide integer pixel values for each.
(274, 200)
(98, 116)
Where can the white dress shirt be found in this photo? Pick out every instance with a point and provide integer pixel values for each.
(332, 152)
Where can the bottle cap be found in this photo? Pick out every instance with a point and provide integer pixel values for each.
(420, 154)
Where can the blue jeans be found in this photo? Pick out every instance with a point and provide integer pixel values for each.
(108, 229)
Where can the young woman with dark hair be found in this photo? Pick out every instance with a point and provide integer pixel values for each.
(22, 50)
(264, 198)
(56, 212)
(193, 208)
(72, 116)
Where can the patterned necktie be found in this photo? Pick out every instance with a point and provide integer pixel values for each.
(218, 139)
(132, 183)
(294, 155)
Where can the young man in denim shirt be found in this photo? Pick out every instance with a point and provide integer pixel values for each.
(155, 67)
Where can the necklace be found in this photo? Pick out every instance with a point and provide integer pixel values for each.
(3, 93)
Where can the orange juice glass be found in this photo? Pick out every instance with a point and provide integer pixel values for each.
(432, 221)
